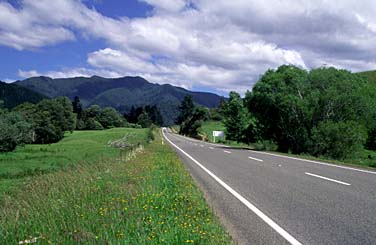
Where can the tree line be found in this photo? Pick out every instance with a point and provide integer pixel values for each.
(322, 112)
(47, 121)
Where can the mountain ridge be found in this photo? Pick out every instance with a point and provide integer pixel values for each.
(121, 93)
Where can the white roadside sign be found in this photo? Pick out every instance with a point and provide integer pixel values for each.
(218, 134)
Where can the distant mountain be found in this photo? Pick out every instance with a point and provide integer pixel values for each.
(120, 93)
(14, 95)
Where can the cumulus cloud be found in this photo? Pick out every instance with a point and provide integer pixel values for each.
(222, 45)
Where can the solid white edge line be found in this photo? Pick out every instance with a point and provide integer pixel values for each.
(256, 159)
(227, 152)
(325, 178)
(252, 207)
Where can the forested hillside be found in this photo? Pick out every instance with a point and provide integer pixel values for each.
(120, 93)
(13, 95)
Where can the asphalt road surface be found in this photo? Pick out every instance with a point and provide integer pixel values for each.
(264, 198)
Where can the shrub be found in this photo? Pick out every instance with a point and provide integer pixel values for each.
(338, 140)
(266, 145)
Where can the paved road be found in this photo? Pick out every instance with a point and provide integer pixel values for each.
(269, 199)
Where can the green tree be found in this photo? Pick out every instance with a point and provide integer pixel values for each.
(109, 118)
(279, 103)
(191, 125)
(338, 140)
(235, 117)
(144, 120)
(186, 109)
(14, 131)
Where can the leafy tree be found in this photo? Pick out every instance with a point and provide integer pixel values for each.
(235, 117)
(191, 117)
(338, 140)
(154, 115)
(92, 124)
(93, 111)
(109, 118)
(191, 125)
(14, 131)
(144, 120)
(278, 101)
(186, 109)
(49, 119)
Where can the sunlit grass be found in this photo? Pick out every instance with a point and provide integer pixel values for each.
(149, 199)
(78, 147)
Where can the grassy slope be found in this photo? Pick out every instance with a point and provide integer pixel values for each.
(80, 146)
(360, 159)
(149, 199)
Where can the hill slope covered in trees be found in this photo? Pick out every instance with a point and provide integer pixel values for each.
(120, 93)
(13, 95)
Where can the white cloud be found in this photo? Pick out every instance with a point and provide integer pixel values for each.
(222, 45)
(167, 5)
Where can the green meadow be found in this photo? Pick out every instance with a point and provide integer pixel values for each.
(94, 197)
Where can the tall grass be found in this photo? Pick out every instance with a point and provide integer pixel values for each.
(149, 199)
(81, 146)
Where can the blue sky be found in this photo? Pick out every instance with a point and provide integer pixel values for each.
(207, 45)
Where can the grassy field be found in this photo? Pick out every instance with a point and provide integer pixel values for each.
(360, 159)
(149, 199)
(77, 147)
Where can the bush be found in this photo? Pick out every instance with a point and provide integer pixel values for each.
(92, 124)
(338, 140)
(14, 131)
(266, 145)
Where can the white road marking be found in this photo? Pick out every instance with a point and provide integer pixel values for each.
(212, 148)
(249, 205)
(259, 160)
(321, 163)
(202, 145)
(227, 152)
(195, 144)
(325, 178)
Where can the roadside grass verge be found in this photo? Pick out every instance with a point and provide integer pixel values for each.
(76, 147)
(149, 199)
(365, 158)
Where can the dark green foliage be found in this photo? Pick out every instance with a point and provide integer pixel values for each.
(13, 95)
(14, 131)
(49, 119)
(121, 93)
(235, 118)
(145, 116)
(301, 110)
(338, 140)
(186, 109)
(191, 117)
(144, 120)
(92, 124)
(371, 140)
(110, 118)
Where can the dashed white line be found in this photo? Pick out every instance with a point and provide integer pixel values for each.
(211, 148)
(325, 178)
(249, 205)
(202, 145)
(227, 152)
(259, 160)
